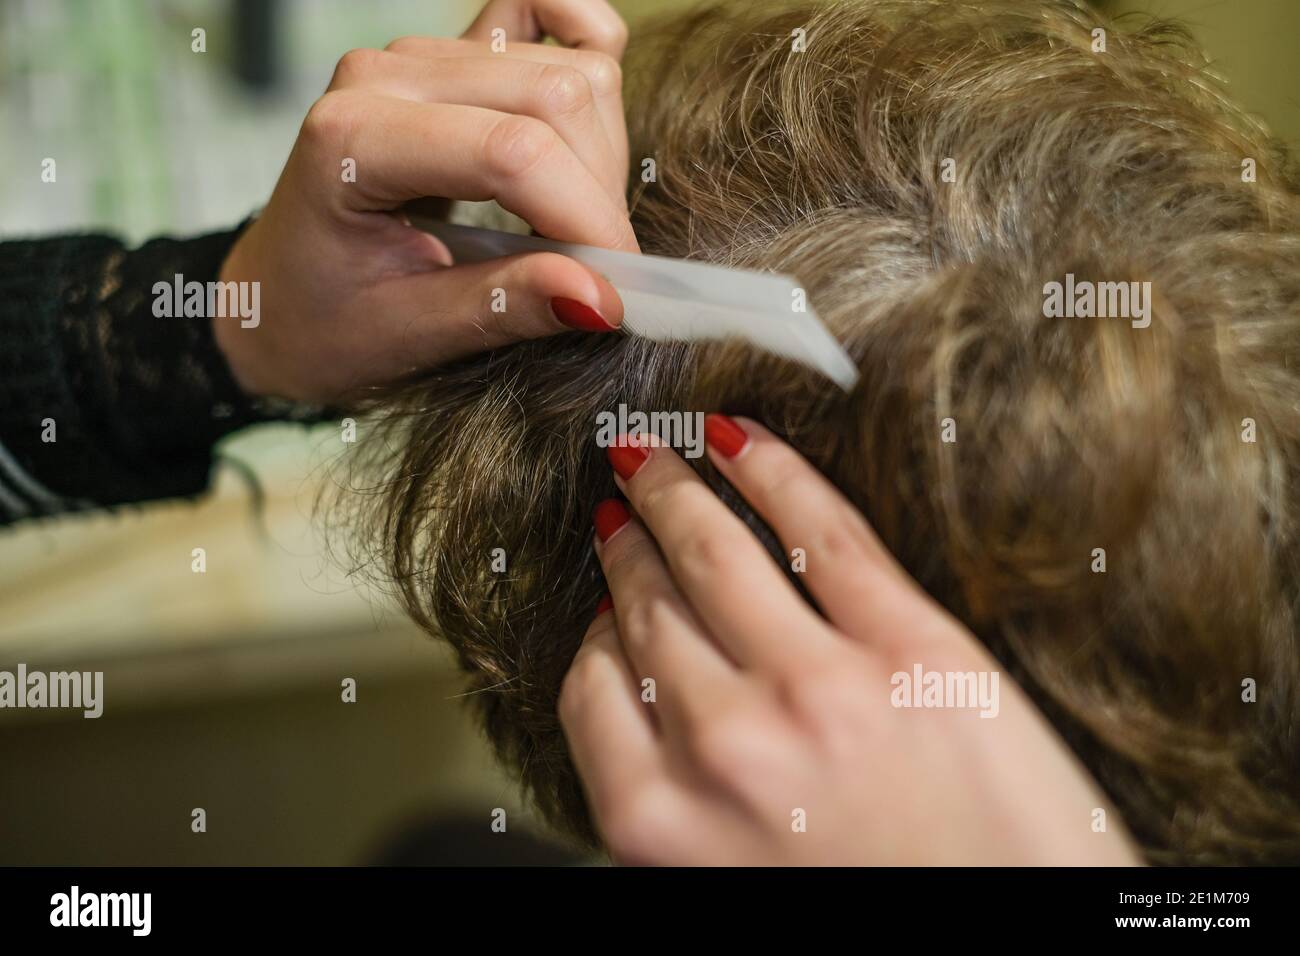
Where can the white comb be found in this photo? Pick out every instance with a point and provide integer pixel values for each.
(679, 300)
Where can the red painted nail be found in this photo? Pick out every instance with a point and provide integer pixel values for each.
(605, 604)
(627, 456)
(724, 435)
(611, 514)
(580, 316)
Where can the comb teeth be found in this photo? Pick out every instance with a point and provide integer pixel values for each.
(676, 300)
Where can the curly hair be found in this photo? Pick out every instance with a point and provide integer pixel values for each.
(925, 169)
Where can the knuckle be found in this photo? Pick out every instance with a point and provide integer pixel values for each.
(829, 704)
(328, 120)
(810, 690)
(576, 690)
(662, 499)
(647, 617)
(516, 145)
(638, 823)
(781, 470)
(710, 555)
(352, 66)
(625, 553)
(603, 72)
(409, 43)
(564, 90)
(937, 647)
(835, 543)
(728, 747)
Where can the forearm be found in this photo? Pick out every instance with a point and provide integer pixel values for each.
(101, 402)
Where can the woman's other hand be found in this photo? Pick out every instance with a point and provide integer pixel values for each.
(715, 717)
(350, 293)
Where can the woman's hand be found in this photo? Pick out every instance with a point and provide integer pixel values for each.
(351, 294)
(773, 735)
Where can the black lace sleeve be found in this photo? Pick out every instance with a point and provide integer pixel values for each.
(101, 402)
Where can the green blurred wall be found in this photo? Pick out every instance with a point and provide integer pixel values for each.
(1254, 44)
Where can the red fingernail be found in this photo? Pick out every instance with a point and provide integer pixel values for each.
(724, 435)
(605, 604)
(610, 516)
(627, 456)
(578, 315)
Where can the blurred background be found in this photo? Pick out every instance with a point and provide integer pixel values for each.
(223, 688)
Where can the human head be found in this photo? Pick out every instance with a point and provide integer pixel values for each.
(1170, 451)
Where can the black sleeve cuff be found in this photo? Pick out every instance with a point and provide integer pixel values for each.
(133, 402)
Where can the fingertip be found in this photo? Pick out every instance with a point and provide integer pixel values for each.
(577, 315)
(726, 436)
(753, 428)
(627, 455)
(601, 295)
(611, 303)
(578, 297)
(610, 517)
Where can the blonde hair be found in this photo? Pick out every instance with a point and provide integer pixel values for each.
(1075, 437)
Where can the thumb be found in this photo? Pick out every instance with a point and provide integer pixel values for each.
(460, 310)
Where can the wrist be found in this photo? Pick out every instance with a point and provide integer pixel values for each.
(231, 333)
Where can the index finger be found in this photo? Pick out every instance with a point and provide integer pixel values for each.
(406, 150)
(601, 70)
(719, 564)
